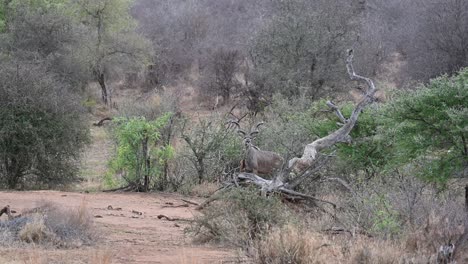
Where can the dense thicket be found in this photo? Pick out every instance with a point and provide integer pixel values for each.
(42, 130)
(51, 50)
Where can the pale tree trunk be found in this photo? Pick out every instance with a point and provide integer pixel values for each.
(342, 134)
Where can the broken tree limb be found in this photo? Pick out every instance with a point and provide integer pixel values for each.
(315, 167)
(190, 202)
(277, 186)
(305, 196)
(101, 122)
(344, 184)
(214, 197)
(341, 134)
(337, 112)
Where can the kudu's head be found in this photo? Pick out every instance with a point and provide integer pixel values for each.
(247, 137)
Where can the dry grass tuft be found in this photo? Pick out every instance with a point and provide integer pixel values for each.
(296, 245)
(35, 231)
(293, 245)
(376, 253)
(34, 257)
(50, 225)
(102, 257)
(204, 189)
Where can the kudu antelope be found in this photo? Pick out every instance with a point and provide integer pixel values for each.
(257, 161)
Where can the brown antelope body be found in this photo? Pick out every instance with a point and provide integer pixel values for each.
(258, 161)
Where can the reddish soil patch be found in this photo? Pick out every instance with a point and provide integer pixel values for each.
(127, 237)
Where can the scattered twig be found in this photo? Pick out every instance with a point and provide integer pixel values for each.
(112, 208)
(336, 231)
(175, 206)
(125, 189)
(214, 197)
(137, 212)
(190, 202)
(174, 219)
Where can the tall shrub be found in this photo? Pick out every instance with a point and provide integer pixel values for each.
(140, 154)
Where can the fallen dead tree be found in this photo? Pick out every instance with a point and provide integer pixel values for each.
(301, 168)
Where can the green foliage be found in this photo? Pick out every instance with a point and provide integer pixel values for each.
(290, 124)
(3, 17)
(114, 14)
(111, 33)
(429, 127)
(424, 131)
(7, 8)
(41, 4)
(140, 155)
(369, 150)
(385, 218)
(110, 39)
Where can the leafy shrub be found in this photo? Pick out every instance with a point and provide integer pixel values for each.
(422, 131)
(140, 156)
(385, 220)
(42, 129)
(428, 128)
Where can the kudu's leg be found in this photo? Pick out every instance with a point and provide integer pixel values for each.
(242, 165)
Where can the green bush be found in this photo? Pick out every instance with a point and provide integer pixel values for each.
(140, 155)
(42, 129)
(429, 128)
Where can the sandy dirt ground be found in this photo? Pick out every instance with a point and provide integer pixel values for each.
(126, 236)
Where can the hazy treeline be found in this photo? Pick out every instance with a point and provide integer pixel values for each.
(297, 46)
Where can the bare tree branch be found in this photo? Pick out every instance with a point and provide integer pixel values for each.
(342, 134)
(337, 112)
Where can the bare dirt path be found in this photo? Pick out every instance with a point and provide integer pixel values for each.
(95, 159)
(127, 237)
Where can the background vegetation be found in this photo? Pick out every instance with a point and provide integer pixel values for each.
(398, 180)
